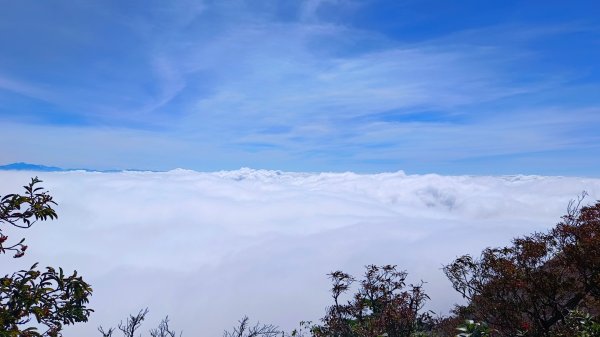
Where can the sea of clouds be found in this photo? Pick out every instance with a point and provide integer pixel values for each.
(208, 248)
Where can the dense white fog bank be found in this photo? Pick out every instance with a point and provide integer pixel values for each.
(207, 248)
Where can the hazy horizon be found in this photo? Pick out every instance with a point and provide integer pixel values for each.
(34, 168)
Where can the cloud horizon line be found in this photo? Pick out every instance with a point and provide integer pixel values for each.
(251, 171)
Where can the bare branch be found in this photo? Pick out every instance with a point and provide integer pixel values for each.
(163, 329)
(107, 333)
(258, 330)
(133, 323)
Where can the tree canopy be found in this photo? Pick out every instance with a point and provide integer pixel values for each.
(383, 304)
(532, 285)
(32, 298)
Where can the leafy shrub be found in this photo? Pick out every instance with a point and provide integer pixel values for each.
(50, 297)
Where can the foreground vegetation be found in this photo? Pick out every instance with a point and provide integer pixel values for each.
(543, 284)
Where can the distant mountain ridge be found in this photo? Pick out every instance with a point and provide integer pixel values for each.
(43, 168)
(30, 167)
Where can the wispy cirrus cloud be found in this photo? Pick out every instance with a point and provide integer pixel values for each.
(226, 74)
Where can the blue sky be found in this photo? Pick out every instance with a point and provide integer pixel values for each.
(452, 87)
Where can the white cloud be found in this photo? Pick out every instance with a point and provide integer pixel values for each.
(310, 8)
(210, 79)
(301, 73)
(207, 248)
(23, 88)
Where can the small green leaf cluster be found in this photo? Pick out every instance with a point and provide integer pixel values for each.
(579, 324)
(471, 328)
(23, 211)
(50, 297)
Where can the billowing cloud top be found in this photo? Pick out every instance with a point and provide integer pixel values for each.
(207, 248)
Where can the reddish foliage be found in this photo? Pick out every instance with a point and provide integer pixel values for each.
(532, 284)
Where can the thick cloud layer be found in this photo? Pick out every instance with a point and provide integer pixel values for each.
(207, 248)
